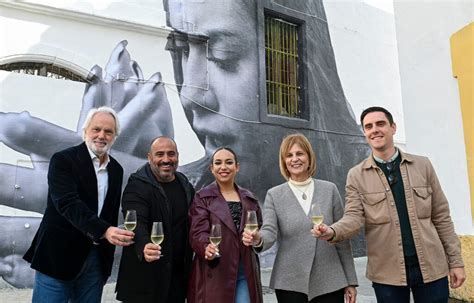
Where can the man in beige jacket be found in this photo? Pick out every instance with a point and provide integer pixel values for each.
(412, 245)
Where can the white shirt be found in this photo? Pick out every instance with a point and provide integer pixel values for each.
(102, 179)
(303, 188)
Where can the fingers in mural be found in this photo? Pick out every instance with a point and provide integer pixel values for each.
(33, 136)
(123, 75)
(95, 94)
(148, 114)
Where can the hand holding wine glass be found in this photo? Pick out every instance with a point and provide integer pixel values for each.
(157, 235)
(316, 215)
(323, 232)
(251, 236)
(215, 237)
(130, 222)
(251, 224)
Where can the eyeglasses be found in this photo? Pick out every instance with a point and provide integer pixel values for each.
(392, 178)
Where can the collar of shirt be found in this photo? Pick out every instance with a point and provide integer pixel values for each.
(305, 188)
(392, 158)
(102, 177)
(96, 161)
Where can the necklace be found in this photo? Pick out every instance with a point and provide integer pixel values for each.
(304, 196)
(297, 185)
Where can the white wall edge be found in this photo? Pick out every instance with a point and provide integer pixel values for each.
(88, 18)
(40, 58)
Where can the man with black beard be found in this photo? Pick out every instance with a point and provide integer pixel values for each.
(158, 193)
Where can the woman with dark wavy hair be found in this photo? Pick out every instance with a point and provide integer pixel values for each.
(229, 272)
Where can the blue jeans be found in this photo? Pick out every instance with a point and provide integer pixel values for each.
(242, 290)
(432, 292)
(86, 287)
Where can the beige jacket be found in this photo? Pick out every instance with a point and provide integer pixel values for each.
(370, 204)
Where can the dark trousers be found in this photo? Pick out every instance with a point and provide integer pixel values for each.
(177, 290)
(432, 292)
(286, 296)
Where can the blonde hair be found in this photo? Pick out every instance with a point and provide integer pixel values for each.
(304, 143)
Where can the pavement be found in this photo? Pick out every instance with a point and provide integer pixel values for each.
(365, 293)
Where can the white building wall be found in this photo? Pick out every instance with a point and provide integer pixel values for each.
(431, 97)
(365, 46)
(84, 33)
(364, 41)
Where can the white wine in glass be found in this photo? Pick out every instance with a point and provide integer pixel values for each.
(157, 236)
(215, 240)
(316, 215)
(130, 220)
(251, 224)
(215, 237)
(317, 219)
(157, 239)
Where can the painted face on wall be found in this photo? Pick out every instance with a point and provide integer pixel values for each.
(215, 57)
(218, 64)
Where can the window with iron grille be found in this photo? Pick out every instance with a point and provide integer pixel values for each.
(281, 64)
(42, 69)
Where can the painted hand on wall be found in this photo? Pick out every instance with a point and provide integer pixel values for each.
(144, 113)
(142, 105)
(17, 234)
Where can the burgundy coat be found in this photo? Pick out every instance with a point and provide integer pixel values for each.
(215, 280)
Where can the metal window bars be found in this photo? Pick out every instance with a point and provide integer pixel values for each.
(281, 63)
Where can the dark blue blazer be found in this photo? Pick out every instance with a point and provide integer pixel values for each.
(70, 224)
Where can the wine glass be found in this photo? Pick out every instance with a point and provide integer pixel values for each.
(157, 236)
(130, 220)
(316, 215)
(215, 237)
(251, 224)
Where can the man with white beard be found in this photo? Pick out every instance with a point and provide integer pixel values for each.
(73, 250)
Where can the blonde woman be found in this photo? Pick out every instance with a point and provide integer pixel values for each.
(306, 269)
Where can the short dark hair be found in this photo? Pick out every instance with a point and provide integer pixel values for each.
(376, 109)
(164, 137)
(227, 149)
